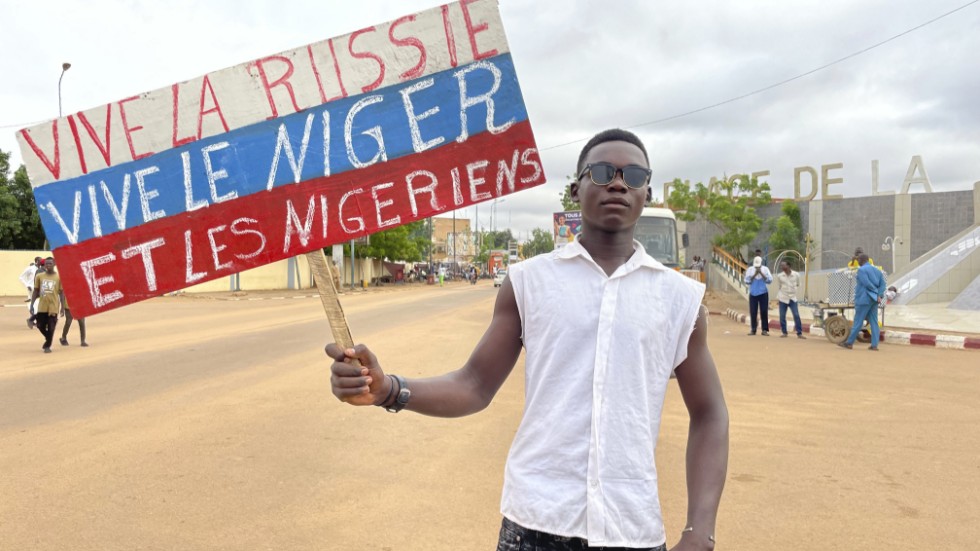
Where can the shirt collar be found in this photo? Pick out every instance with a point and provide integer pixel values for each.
(640, 257)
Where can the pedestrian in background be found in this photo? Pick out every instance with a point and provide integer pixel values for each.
(789, 284)
(757, 277)
(51, 302)
(868, 293)
(68, 320)
(28, 275)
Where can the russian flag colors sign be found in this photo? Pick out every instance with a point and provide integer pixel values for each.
(282, 155)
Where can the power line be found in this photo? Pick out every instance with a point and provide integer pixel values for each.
(23, 124)
(719, 104)
(782, 82)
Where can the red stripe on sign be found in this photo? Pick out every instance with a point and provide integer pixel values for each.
(190, 248)
(972, 342)
(918, 338)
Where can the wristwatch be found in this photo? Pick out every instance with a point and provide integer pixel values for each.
(401, 398)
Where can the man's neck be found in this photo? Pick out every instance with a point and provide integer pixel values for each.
(609, 250)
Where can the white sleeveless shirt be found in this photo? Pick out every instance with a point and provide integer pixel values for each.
(599, 353)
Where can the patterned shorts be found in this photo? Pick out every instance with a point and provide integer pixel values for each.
(514, 537)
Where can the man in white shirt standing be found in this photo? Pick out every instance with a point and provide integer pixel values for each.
(789, 284)
(27, 276)
(604, 325)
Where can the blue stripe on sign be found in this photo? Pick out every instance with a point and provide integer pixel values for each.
(242, 162)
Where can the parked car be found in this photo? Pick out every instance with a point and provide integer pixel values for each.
(498, 279)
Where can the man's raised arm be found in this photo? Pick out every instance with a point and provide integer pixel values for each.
(466, 390)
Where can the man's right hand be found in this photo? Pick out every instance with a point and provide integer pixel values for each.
(363, 385)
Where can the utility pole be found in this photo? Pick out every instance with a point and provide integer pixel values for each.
(430, 244)
(64, 67)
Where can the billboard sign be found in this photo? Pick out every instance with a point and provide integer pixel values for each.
(567, 226)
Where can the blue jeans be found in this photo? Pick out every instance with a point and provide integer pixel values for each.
(514, 537)
(795, 308)
(864, 312)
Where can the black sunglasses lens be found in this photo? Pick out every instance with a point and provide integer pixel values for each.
(634, 176)
(602, 173)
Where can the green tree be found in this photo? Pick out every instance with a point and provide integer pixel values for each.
(20, 224)
(727, 204)
(407, 242)
(567, 204)
(542, 241)
(492, 241)
(787, 230)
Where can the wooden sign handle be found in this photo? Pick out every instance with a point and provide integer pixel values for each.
(325, 286)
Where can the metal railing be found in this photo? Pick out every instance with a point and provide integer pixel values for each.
(733, 267)
(696, 275)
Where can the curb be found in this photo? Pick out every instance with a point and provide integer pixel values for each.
(955, 342)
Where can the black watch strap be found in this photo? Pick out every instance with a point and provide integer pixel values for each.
(401, 395)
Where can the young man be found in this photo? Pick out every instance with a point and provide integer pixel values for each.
(47, 288)
(28, 275)
(789, 284)
(869, 291)
(37, 268)
(604, 325)
(757, 277)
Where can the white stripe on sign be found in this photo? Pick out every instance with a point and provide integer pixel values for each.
(267, 88)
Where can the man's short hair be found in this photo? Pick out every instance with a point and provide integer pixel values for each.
(611, 135)
(863, 258)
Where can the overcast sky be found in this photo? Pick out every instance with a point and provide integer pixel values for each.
(584, 66)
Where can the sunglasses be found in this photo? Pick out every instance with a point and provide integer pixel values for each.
(602, 174)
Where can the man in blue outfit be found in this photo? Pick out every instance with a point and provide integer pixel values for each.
(869, 292)
(757, 277)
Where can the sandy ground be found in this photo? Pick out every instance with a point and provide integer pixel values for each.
(196, 423)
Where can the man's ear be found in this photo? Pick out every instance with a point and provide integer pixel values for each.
(573, 191)
(649, 194)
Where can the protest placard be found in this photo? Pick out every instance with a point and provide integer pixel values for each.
(282, 155)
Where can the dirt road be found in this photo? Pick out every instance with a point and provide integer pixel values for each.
(208, 424)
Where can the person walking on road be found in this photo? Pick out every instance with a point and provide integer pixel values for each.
(789, 284)
(582, 471)
(51, 302)
(868, 293)
(28, 275)
(757, 277)
(68, 320)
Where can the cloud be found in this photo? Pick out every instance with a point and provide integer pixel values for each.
(585, 66)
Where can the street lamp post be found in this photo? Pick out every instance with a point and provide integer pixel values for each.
(889, 244)
(64, 67)
(493, 214)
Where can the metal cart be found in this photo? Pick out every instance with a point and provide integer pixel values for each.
(831, 315)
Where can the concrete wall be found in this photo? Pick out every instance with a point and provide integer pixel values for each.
(12, 263)
(918, 223)
(859, 222)
(949, 286)
(286, 274)
(937, 217)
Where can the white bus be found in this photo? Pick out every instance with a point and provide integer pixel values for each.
(656, 230)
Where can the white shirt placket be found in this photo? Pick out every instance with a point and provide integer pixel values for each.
(596, 510)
